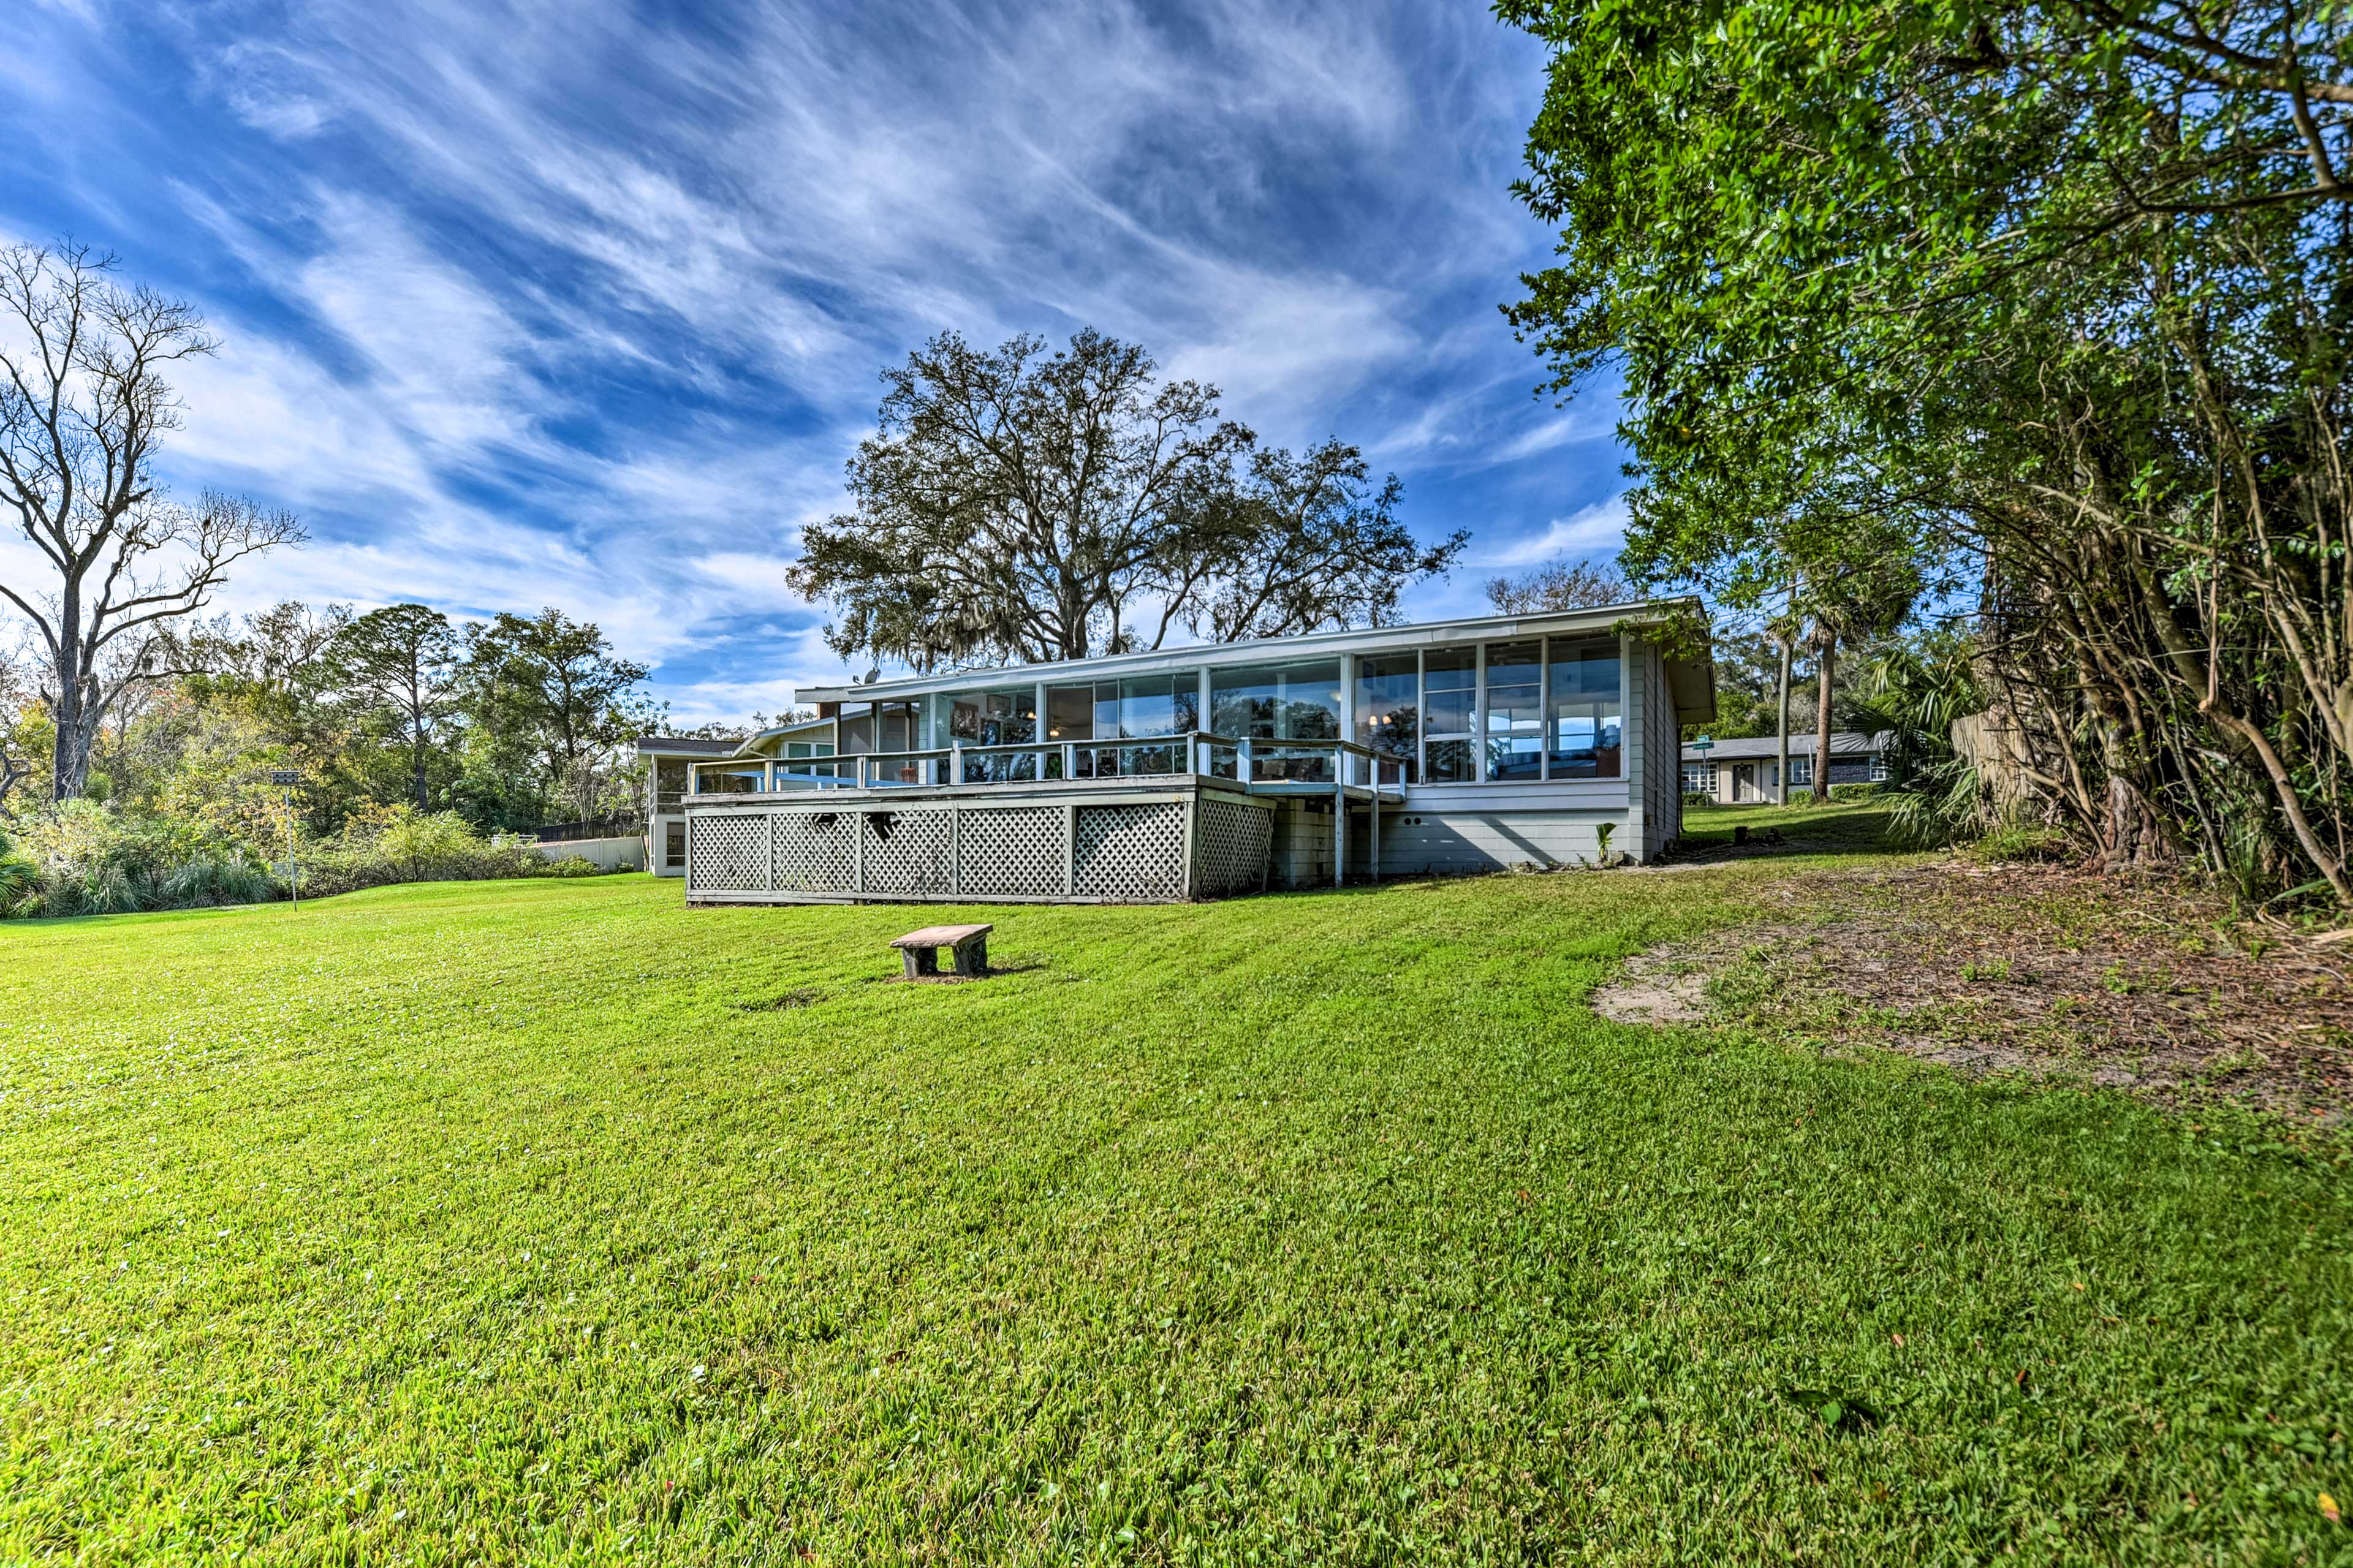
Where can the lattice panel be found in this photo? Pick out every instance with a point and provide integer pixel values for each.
(813, 851)
(1014, 851)
(727, 854)
(1130, 854)
(909, 852)
(1232, 853)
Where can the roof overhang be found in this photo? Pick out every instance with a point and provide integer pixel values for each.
(695, 746)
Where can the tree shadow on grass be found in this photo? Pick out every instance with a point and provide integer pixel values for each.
(1723, 835)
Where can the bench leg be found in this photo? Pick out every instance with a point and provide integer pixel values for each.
(972, 957)
(920, 960)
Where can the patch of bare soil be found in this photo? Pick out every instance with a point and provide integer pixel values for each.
(2042, 971)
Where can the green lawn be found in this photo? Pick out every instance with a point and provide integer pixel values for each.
(549, 1221)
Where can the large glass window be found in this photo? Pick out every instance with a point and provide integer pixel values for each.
(1450, 704)
(1070, 712)
(1581, 731)
(1388, 710)
(1516, 710)
(1290, 703)
(1007, 717)
(1143, 708)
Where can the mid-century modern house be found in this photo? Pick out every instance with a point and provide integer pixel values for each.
(1451, 746)
(1748, 770)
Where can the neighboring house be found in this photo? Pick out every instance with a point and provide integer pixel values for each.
(1453, 746)
(730, 765)
(668, 760)
(1748, 770)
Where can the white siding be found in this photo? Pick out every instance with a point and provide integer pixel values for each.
(1421, 842)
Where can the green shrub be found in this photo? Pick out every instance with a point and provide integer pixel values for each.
(1696, 797)
(2012, 839)
(84, 858)
(1856, 791)
(20, 879)
(408, 845)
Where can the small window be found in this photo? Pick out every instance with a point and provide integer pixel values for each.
(674, 845)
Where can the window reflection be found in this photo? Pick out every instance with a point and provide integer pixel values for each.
(1582, 730)
(1388, 710)
(1450, 701)
(1007, 717)
(1516, 710)
(1141, 707)
(1286, 702)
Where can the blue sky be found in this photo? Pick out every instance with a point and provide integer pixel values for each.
(556, 302)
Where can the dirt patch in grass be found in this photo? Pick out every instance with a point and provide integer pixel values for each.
(2042, 971)
(799, 997)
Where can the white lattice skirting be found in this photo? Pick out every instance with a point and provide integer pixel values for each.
(1131, 851)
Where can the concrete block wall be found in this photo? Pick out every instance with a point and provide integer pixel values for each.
(1302, 847)
(1422, 843)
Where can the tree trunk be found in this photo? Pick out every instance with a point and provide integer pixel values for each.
(1825, 670)
(69, 763)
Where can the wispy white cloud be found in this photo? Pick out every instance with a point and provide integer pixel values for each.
(1592, 530)
(533, 301)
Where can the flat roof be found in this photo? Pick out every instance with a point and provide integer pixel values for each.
(686, 746)
(1843, 744)
(1693, 680)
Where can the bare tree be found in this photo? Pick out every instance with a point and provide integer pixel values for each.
(1561, 585)
(82, 403)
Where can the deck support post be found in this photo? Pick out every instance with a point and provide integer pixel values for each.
(1339, 826)
(1376, 840)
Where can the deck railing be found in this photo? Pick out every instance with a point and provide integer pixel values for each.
(1331, 763)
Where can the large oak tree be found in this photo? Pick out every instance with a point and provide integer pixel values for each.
(1019, 503)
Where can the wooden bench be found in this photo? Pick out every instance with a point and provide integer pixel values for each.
(920, 950)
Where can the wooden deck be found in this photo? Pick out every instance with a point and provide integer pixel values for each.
(1140, 838)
